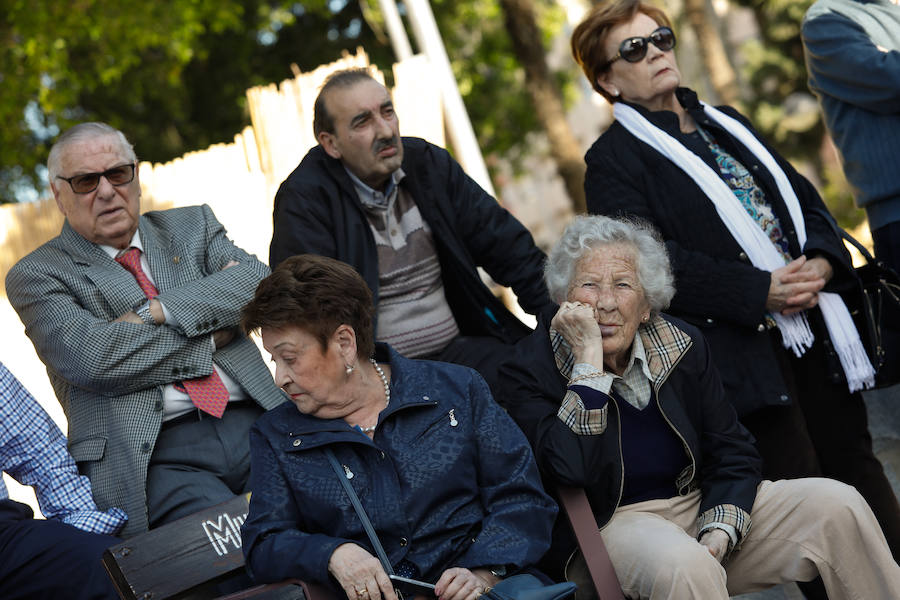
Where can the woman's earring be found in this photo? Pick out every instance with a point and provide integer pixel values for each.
(615, 92)
(349, 369)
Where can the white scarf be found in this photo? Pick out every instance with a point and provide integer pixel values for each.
(795, 331)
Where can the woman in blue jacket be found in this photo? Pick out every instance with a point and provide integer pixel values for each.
(447, 479)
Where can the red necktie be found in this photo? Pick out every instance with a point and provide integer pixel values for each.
(208, 393)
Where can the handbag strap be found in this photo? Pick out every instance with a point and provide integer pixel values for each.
(357, 505)
(578, 509)
(844, 235)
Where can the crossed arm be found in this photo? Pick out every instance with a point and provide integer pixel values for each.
(90, 345)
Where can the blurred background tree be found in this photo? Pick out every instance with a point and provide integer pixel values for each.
(780, 105)
(173, 73)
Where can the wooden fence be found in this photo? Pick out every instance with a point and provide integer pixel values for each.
(239, 180)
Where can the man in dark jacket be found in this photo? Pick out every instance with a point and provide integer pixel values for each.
(416, 227)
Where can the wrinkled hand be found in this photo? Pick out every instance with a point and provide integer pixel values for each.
(716, 541)
(795, 287)
(156, 312)
(360, 574)
(223, 337)
(461, 584)
(816, 268)
(577, 323)
(129, 317)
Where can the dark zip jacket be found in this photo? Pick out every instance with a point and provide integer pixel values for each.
(724, 465)
(448, 480)
(317, 211)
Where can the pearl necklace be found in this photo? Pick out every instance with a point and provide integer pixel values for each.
(387, 392)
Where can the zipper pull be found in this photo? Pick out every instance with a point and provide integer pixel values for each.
(348, 472)
(453, 421)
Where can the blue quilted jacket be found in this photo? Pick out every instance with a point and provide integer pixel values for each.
(449, 480)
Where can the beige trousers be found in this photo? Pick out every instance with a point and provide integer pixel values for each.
(800, 528)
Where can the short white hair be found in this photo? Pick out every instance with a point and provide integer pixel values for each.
(587, 233)
(79, 133)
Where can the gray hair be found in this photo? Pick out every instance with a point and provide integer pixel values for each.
(586, 233)
(79, 133)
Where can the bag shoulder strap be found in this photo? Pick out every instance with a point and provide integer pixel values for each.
(844, 235)
(575, 504)
(357, 505)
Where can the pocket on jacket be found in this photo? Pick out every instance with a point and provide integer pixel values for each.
(87, 450)
(441, 419)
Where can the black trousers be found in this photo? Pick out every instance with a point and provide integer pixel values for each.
(886, 240)
(199, 461)
(49, 559)
(825, 432)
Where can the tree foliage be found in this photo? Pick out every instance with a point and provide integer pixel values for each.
(780, 104)
(172, 74)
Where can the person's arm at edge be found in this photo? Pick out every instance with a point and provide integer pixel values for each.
(34, 453)
(845, 64)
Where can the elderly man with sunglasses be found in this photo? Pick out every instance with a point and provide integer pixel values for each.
(135, 318)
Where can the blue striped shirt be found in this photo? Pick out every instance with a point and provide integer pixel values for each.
(33, 452)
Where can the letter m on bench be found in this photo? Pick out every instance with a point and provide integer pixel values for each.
(179, 556)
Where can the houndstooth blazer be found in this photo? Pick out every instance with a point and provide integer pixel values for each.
(109, 376)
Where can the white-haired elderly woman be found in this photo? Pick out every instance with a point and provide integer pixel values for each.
(622, 400)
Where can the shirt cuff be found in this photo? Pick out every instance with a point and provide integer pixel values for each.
(602, 382)
(729, 529)
(96, 521)
(167, 316)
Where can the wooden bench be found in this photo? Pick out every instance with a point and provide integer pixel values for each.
(188, 557)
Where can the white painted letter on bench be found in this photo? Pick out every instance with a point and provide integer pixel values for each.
(225, 532)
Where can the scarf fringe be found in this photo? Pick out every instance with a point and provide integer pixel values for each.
(795, 332)
(857, 368)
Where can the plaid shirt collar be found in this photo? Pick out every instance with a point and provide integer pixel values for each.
(372, 198)
(662, 345)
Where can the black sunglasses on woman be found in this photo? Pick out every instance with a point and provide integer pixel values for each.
(634, 49)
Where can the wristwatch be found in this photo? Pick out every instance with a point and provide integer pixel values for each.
(143, 311)
(498, 571)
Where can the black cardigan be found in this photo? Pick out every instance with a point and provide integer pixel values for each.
(718, 290)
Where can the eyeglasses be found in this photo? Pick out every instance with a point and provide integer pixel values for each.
(634, 49)
(88, 182)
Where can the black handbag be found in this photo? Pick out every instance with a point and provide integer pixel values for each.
(877, 314)
(528, 587)
(523, 586)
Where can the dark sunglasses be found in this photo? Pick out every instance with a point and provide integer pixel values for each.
(634, 49)
(88, 182)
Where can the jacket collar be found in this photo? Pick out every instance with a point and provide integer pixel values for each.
(339, 173)
(407, 391)
(666, 119)
(81, 250)
(664, 346)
